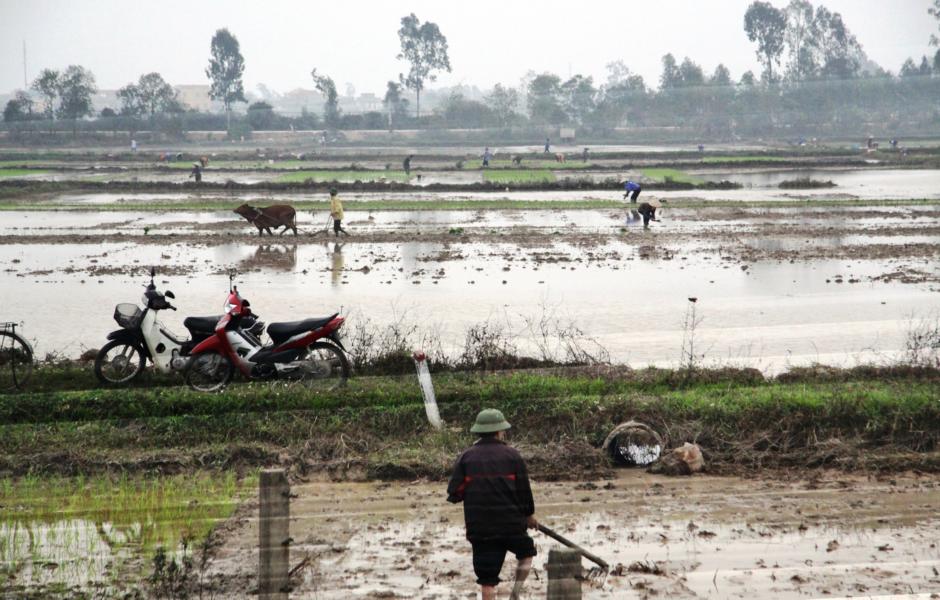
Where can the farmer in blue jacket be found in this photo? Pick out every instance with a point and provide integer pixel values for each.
(631, 186)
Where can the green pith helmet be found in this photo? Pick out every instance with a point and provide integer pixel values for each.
(490, 420)
(332, 191)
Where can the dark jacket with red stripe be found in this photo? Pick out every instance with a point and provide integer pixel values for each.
(491, 480)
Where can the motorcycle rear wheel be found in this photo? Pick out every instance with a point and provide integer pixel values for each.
(209, 372)
(324, 368)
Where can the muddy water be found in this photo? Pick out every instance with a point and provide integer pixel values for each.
(770, 316)
(884, 183)
(705, 537)
(627, 291)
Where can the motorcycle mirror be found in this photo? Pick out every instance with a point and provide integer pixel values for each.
(231, 278)
(170, 294)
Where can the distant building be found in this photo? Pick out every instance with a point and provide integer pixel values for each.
(195, 97)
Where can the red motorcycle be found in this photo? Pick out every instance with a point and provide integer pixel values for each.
(307, 352)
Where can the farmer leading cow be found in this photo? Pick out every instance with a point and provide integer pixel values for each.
(491, 480)
(336, 211)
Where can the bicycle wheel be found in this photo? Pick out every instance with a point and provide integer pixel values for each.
(16, 361)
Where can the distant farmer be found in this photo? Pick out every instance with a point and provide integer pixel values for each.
(548, 145)
(133, 145)
(196, 172)
(632, 189)
(648, 211)
(336, 211)
(487, 155)
(584, 154)
(406, 164)
(491, 480)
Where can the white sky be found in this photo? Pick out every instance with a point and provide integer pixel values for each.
(356, 41)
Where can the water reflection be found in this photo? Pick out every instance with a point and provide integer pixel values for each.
(337, 264)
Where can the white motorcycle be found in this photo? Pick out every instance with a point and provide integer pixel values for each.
(143, 337)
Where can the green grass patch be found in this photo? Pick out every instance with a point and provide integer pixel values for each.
(343, 176)
(519, 176)
(663, 175)
(572, 164)
(745, 159)
(20, 172)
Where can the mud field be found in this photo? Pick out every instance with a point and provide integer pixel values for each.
(778, 286)
(832, 536)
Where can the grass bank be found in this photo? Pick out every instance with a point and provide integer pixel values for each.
(663, 175)
(519, 176)
(343, 176)
(376, 427)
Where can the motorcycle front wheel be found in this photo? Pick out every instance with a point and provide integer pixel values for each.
(324, 368)
(209, 372)
(119, 363)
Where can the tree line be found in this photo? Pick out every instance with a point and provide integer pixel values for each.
(814, 75)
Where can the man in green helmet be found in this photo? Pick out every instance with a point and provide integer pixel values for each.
(491, 480)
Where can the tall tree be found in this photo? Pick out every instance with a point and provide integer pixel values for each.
(76, 88)
(934, 11)
(47, 85)
(151, 95)
(544, 99)
(579, 97)
(691, 74)
(326, 86)
(840, 54)
(766, 25)
(721, 76)
(503, 102)
(801, 40)
(425, 48)
(225, 70)
(396, 105)
(18, 108)
(670, 77)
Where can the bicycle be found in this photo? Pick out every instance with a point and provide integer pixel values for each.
(16, 359)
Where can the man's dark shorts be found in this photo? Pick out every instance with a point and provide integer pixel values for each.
(488, 556)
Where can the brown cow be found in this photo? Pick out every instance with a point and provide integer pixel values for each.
(560, 157)
(278, 215)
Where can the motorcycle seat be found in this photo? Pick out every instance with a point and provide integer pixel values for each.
(281, 332)
(201, 324)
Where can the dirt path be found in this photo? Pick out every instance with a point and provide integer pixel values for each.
(701, 537)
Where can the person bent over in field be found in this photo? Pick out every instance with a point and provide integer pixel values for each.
(491, 480)
(631, 189)
(648, 210)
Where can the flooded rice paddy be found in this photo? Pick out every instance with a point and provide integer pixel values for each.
(775, 287)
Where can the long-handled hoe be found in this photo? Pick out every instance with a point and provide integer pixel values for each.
(598, 572)
(326, 226)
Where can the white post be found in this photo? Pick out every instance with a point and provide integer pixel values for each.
(427, 388)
